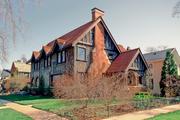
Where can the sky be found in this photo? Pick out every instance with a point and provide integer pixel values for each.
(134, 23)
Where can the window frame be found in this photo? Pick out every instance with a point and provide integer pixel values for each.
(63, 56)
(77, 56)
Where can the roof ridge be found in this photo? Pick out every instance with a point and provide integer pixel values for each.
(159, 51)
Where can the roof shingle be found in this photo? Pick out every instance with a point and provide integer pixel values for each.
(121, 63)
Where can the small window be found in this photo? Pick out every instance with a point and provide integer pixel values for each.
(92, 36)
(49, 61)
(81, 53)
(59, 57)
(63, 56)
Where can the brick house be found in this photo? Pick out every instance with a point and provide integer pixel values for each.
(89, 49)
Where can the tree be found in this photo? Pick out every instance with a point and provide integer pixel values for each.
(176, 10)
(11, 24)
(23, 58)
(154, 49)
(169, 69)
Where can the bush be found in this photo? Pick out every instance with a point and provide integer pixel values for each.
(142, 96)
(171, 86)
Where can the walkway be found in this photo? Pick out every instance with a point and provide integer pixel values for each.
(34, 113)
(141, 115)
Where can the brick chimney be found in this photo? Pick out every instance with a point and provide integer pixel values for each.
(96, 13)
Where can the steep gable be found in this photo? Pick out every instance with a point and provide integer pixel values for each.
(125, 61)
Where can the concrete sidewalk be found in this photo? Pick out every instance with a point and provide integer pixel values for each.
(141, 115)
(34, 113)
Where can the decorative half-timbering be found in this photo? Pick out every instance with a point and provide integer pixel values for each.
(89, 49)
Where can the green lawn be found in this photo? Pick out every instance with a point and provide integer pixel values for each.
(168, 116)
(57, 106)
(9, 114)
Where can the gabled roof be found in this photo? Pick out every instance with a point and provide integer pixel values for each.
(70, 38)
(158, 55)
(121, 63)
(21, 66)
(121, 47)
(36, 54)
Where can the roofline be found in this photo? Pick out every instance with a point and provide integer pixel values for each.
(138, 52)
(159, 51)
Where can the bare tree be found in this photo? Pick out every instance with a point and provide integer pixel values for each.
(176, 10)
(154, 49)
(11, 24)
(23, 58)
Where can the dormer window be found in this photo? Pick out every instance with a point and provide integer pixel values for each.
(61, 57)
(49, 61)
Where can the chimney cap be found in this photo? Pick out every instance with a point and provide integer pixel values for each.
(97, 9)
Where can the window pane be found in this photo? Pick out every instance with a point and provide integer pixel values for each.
(81, 53)
(59, 57)
(49, 61)
(63, 56)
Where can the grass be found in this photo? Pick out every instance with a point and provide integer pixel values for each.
(168, 116)
(57, 106)
(9, 114)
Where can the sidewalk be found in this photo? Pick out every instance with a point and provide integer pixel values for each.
(141, 115)
(34, 113)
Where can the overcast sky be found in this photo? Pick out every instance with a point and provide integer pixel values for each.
(134, 23)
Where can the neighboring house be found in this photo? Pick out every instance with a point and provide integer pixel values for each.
(155, 61)
(20, 69)
(5, 74)
(89, 49)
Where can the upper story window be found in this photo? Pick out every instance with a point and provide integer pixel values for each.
(61, 57)
(81, 53)
(92, 36)
(49, 61)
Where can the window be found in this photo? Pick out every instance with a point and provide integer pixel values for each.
(59, 57)
(81, 53)
(63, 57)
(51, 81)
(92, 36)
(49, 61)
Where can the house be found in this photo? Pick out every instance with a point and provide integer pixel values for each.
(5, 74)
(89, 49)
(20, 69)
(155, 61)
(131, 60)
